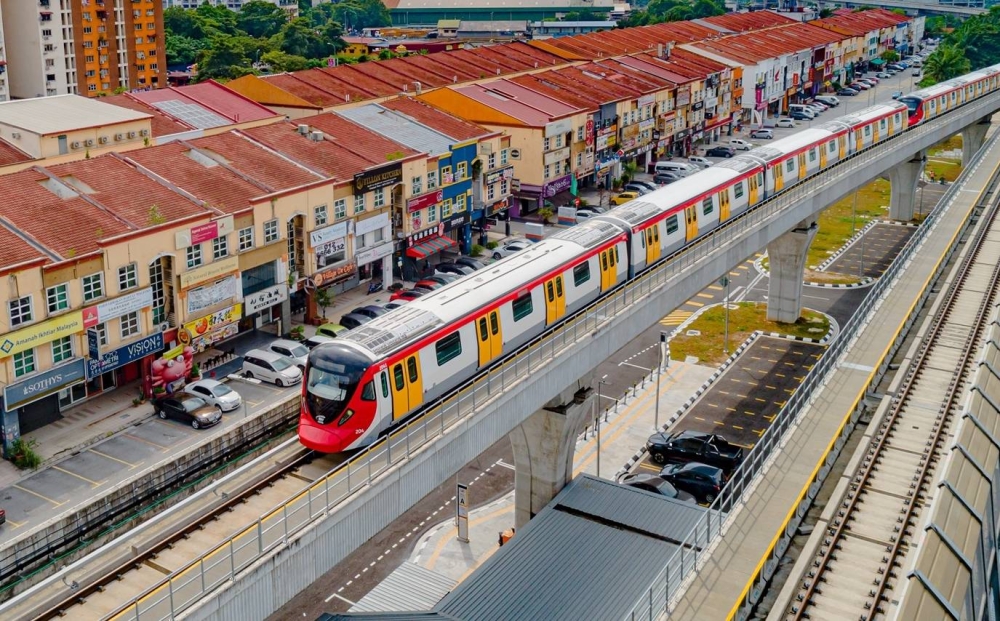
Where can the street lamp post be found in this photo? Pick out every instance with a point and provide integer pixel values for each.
(854, 212)
(597, 425)
(725, 306)
(659, 371)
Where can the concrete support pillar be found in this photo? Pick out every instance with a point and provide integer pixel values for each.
(543, 451)
(787, 257)
(903, 179)
(973, 137)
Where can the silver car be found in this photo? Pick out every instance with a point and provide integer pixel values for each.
(215, 393)
(294, 351)
(510, 247)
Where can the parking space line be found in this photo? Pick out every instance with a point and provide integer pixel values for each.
(737, 427)
(144, 441)
(749, 412)
(695, 304)
(770, 387)
(731, 409)
(28, 491)
(645, 465)
(15, 524)
(73, 474)
(106, 456)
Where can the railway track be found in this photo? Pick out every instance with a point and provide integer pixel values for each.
(858, 564)
(97, 586)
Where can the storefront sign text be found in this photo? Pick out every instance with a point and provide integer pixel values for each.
(207, 296)
(381, 177)
(256, 302)
(109, 361)
(373, 254)
(204, 232)
(424, 201)
(211, 271)
(45, 332)
(328, 233)
(43, 384)
(552, 188)
(215, 327)
(122, 305)
(497, 175)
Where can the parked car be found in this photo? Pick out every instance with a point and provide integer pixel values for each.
(294, 351)
(916, 72)
(624, 197)
(828, 100)
(860, 86)
(785, 122)
(897, 94)
(216, 394)
(702, 481)
(869, 81)
(353, 320)
(799, 115)
(700, 162)
(655, 484)
(665, 178)
(453, 268)
(270, 367)
(685, 446)
(762, 134)
(740, 145)
(187, 408)
(426, 283)
(407, 294)
(721, 152)
(847, 92)
(441, 279)
(331, 329)
(371, 310)
(470, 262)
(316, 340)
(3, 517)
(883, 75)
(510, 247)
(638, 189)
(395, 304)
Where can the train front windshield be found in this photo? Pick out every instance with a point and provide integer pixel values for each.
(912, 103)
(330, 383)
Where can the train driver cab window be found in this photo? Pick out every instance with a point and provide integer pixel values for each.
(385, 385)
(368, 392)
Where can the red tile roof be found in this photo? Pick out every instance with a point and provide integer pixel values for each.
(214, 184)
(451, 126)
(264, 166)
(362, 76)
(9, 154)
(162, 124)
(861, 22)
(759, 45)
(211, 96)
(742, 22)
(297, 84)
(326, 157)
(14, 250)
(368, 144)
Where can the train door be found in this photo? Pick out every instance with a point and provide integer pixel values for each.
(842, 146)
(779, 179)
(754, 189)
(489, 337)
(407, 387)
(823, 149)
(555, 300)
(383, 395)
(724, 205)
(802, 166)
(609, 261)
(859, 138)
(875, 130)
(652, 236)
(691, 222)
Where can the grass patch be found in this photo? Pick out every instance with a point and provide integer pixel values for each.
(839, 222)
(949, 169)
(743, 321)
(951, 144)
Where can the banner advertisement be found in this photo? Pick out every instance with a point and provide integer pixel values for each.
(215, 327)
(211, 295)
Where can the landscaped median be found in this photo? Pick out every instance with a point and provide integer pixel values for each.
(704, 337)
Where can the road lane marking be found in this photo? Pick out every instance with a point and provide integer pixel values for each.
(695, 304)
(505, 465)
(81, 477)
(28, 491)
(338, 596)
(144, 441)
(706, 295)
(106, 456)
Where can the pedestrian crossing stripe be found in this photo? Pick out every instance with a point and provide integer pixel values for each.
(675, 318)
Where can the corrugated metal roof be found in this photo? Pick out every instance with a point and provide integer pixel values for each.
(63, 113)
(589, 555)
(400, 128)
(387, 616)
(409, 587)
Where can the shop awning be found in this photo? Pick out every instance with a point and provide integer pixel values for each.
(876, 61)
(430, 245)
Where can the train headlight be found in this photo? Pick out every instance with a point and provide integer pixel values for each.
(346, 417)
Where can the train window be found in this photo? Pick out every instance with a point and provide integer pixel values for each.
(559, 288)
(613, 256)
(868, 130)
(706, 206)
(368, 392)
(397, 377)
(790, 165)
(881, 123)
(522, 307)
(832, 146)
(738, 190)
(448, 348)
(672, 225)
(484, 333)
(411, 368)
(385, 385)
(812, 155)
(581, 273)
(495, 323)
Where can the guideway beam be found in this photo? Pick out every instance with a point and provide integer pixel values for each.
(543, 451)
(903, 179)
(787, 255)
(973, 137)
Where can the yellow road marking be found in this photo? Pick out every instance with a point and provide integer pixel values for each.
(770, 387)
(731, 409)
(479, 520)
(706, 295)
(28, 491)
(737, 427)
(162, 448)
(73, 474)
(695, 304)
(715, 287)
(106, 456)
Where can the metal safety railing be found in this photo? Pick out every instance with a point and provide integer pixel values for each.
(657, 598)
(186, 586)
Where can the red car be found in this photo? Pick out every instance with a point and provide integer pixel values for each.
(406, 294)
(3, 516)
(428, 284)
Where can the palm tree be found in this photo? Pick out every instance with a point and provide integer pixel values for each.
(946, 63)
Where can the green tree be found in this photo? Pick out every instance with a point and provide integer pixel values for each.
(225, 59)
(299, 38)
(279, 61)
(947, 62)
(825, 12)
(182, 22)
(333, 34)
(890, 56)
(259, 19)
(216, 19)
(360, 14)
(183, 50)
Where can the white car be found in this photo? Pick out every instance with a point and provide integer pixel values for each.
(270, 367)
(316, 340)
(294, 351)
(510, 247)
(762, 133)
(740, 145)
(582, 215)
(785, 123)
(700, 162)
(216, 393)
(883, 75)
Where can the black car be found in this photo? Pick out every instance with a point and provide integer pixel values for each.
(720, 152)
(685, 446)
(187, 408)
(655, 484)
(454, 268)
(847, 92)
(470, 262)
(353, 320)
(702, 481)
(370, 311)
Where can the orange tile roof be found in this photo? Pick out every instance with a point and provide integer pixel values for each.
(447, 124)
(368, 144)
(754, 20)
(9, 154)
(14, 250)
(264, 166)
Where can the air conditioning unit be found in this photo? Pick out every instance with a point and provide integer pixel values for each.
(131, 134)
(164, 326)
(90, 142)
(103, 140)
(75, 144)
(515, 154)
(119, 137)
(143, 132)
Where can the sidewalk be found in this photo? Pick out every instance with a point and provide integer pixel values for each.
(439, 549)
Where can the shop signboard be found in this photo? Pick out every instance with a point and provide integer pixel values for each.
(256, 302)
(93, 344)
(207, 296)
(371, 224)
(329, 233)
(116, 358)
(116, 307)
(424, 201)
(212, 271)
(333, 274)
(381, 177)
(373, 254)
(215, 327)
(39, 334)
(557, 155)
(41, 385)
(454, 222)
(204, 232)
(556, 186)
(498, 175)
(555, 128)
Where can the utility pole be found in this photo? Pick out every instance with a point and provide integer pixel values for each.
(659, 372)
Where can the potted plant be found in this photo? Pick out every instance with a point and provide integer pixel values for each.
(324, 299)
(298, 333)
(545, 213)
(195, 372)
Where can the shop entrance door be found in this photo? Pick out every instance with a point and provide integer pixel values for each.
(39, 414)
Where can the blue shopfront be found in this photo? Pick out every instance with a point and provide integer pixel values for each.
(35, 401)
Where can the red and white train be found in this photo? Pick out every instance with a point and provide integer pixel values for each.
(370, 379)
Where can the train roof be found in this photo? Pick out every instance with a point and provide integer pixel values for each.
(468, 294)
(790, 144)
(872, 112)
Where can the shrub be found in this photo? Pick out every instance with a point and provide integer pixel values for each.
(545, 213)
(490, 245)
(24, 455)
(477, 250)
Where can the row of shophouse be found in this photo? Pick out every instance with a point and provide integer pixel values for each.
(139, 227)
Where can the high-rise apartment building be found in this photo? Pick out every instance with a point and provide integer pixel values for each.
(291, 6)
(84, 47)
